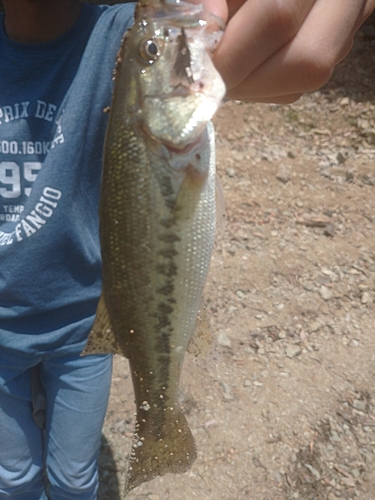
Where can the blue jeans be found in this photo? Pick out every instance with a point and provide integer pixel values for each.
(76, 390)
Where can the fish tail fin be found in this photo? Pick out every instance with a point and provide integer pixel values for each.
(160, 448)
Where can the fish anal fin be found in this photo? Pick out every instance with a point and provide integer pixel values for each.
(102, 338)
(158, 450)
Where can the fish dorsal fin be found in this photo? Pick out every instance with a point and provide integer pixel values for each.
(102, 338)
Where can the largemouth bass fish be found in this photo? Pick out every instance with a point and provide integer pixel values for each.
(157, 219)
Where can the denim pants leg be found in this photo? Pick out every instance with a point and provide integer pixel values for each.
(21, 443)
(77, 390)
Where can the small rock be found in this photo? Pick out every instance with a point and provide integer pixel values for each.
(366, 298)
(348, 481)
(355, 473)
(323, 280)
(283, 174)
(363, 124)
(224, 340)
(340, 158)
(364, 287)
(277, 476)
(315, 325)
(279, 306)
(329, 230)
(359, 405)
(325, 293)
(227, 390)
(313, 471)
(332, 496)
(309, 287)
(247, 383)
(349, 175)
(313, 220)
(230, 172)
(232, 250)
(292, 351)
(369, 135)
(334, 436)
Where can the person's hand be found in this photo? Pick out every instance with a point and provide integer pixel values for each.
(275, 50)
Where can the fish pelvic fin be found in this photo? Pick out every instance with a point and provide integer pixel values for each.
(158, 450)
(101, 339)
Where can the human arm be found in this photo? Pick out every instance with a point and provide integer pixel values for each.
(275, 50)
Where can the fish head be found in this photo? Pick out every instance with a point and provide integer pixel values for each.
(174, 87)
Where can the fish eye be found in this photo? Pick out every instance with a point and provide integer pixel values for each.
(149, 50)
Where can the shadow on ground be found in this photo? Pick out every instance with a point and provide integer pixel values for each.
(354, 77)
(109, 486)
(337, 462)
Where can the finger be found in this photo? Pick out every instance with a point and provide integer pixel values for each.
(234, 6)
(368, 9)
(306, 62)
(257, 30)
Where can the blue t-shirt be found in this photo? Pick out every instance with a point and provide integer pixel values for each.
(52, 127)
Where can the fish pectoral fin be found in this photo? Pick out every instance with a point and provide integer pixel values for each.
(158, 450)
(102, 338)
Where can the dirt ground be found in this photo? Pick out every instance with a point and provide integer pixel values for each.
(289, 410)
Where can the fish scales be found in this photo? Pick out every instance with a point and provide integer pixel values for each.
(157, 221)
(154, 301)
